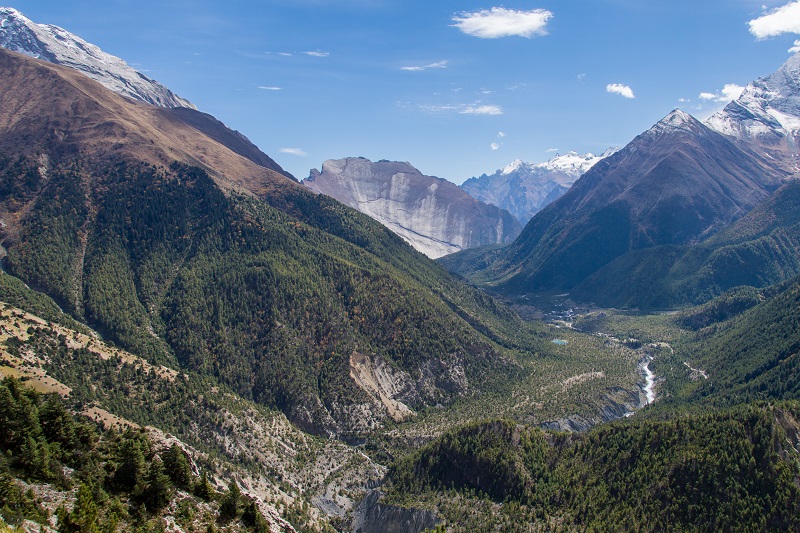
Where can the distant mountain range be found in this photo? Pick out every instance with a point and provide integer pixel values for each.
(523, 189)
(57, 45)
(432, 214)
(675, 184)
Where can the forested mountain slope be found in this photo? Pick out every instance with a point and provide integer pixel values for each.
(160, 237)
(758, 250)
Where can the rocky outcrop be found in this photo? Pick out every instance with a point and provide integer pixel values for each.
(371, 516)
(433, 215)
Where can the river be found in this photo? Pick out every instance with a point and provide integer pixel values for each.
(649, 381)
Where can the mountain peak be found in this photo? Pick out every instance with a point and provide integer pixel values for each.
(675, 121)
(766, 116)
(678, 118)
(56, 45)
(513, 166)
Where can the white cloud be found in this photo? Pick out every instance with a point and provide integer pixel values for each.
(501, 134)
(268, 88)
(581, 77)
(796, 48)
(785, 19)
(684, 100)
(494, 146)
(317, 53)
(285, 54)
(438, 64)
(620, 89)
(294, 151)
(501, 22)
(549, 150)
(482, 110)
(731, 91)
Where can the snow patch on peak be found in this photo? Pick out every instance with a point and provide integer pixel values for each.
(678, 118)
(513, 167)
(573, 163)
(57, 45)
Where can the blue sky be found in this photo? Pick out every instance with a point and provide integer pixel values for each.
(457, 88)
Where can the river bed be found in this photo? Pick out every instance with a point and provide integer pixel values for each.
(649, 381)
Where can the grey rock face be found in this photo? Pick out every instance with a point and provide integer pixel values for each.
(433, 215)
(373, 517)
(57, 45)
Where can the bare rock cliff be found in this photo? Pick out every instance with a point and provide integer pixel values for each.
(433, 215)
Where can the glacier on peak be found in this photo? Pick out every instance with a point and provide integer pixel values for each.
(56, 45)
(766, 115)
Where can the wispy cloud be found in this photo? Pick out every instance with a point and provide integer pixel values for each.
(317, 53)
(294, 151)
(551, 150)
(785, 19)
(731, 91)
(620, 89)
(420, 68)
(494, 146)
(501, 134)
(795, 48)
(482, 110)
(438, 108)
(269, 88)
(464, 109)
(684, 100)
(501, 22)
(581, 77)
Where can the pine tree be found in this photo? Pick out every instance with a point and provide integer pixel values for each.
(177, 466)
(203, 488)
(131, 469)
(158, 487)
(83, 518)
(229, 507)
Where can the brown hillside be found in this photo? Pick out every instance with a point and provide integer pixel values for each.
(60, 111)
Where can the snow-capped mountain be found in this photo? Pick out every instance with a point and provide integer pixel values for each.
(672, 186)
(767, 115)
(525, 188)
(57, 45)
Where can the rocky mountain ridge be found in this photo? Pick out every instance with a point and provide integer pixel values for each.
(57, 45)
